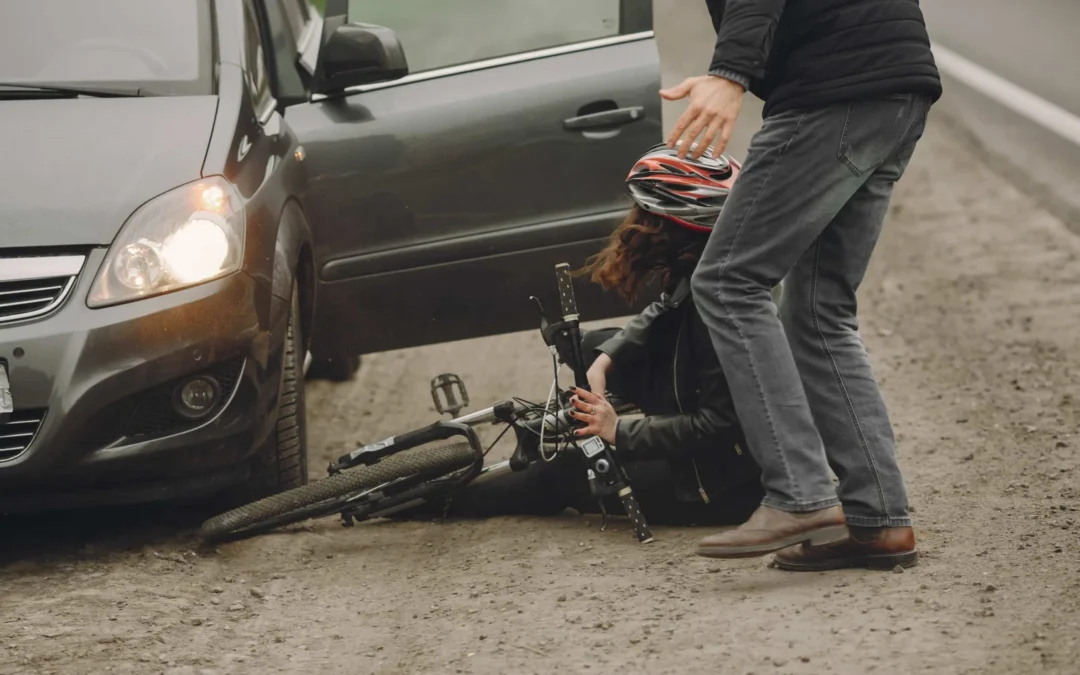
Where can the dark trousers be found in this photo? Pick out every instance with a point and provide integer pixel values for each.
(808, 209)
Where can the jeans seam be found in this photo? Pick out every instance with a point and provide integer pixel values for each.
(816, 320)
(738, 327)
(843, 137)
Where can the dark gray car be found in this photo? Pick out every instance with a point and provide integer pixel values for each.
(196, 193)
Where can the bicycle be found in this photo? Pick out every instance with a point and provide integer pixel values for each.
(396, 474)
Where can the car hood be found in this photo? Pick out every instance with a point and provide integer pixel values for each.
(73, 170)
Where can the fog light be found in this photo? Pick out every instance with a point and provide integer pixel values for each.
(196, 397)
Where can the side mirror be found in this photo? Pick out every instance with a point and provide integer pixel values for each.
(359, 53)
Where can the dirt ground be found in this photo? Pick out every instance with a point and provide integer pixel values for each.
(972, 317)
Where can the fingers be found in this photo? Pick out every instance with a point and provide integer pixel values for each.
(707, 140)
(685, 121)
(691, 135)
(593, 424)
(725, 136)
(585, 395)
(680, 90)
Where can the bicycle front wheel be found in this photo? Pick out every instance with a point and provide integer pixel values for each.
(328, 496)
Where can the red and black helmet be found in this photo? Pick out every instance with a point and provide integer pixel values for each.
(689, 191)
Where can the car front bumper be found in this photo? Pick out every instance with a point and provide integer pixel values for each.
(100, 380)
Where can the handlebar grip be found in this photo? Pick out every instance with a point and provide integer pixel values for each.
(566, 291)
(630, 503)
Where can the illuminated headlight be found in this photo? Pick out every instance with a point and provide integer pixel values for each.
(187, 236)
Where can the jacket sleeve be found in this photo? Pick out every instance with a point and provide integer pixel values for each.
(745, 31)
(630, 342)
(702, 429)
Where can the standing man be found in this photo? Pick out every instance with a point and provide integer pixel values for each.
(847, 85)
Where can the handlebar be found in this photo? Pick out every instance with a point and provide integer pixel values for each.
(566, 292)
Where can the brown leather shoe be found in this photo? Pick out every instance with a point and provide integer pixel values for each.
(876, 548)
(771, 529)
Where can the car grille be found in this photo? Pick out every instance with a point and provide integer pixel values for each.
(24, 299)
(18, 432)
(34, 286)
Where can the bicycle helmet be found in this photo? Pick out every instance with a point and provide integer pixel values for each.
(689, 191)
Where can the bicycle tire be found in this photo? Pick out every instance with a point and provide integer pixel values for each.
(428, 463)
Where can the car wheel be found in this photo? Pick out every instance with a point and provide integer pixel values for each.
(281, 464)
(338, 369)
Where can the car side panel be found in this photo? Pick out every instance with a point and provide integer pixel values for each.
(467, 167)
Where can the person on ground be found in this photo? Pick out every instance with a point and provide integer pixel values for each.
(847, 85)
(686, 457)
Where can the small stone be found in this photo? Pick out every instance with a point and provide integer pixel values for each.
(255, 592)
(713, 570)
(804, 659)
(899, 569)
(196, 621)
(238, 607)
(215, 601)
(561, 598)
(919, 601)
(968, 457)
(989, 588)
(277, 575)
(217, 589)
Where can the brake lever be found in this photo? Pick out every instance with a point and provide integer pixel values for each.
(545, 325)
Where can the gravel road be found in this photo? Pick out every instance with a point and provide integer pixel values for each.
(972, 316)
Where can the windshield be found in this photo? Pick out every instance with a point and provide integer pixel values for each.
(161, 46)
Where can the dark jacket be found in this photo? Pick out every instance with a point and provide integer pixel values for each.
(813, 53)
(665, 359)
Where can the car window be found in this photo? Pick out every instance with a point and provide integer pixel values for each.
(255, 70)
(440, 33)
(298, 14)
(164, 46)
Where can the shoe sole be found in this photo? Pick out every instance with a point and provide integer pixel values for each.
(882, 562)
(822, 536)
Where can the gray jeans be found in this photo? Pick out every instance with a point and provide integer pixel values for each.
(807, 210)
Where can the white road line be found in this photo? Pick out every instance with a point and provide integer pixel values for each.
(1015, 98)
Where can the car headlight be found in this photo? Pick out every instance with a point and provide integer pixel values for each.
(187, 236)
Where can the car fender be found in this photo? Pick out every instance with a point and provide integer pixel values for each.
(293, 261)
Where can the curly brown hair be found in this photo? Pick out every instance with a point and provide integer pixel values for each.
(643, 248)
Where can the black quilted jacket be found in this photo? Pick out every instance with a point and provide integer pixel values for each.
(690, 416)
(813, 53)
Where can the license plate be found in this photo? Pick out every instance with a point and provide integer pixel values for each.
(6, 405)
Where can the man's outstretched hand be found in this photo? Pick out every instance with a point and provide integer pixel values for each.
(714, 108)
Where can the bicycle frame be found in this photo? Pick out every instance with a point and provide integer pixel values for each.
(605, 472)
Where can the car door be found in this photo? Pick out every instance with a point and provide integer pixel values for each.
(441, 201)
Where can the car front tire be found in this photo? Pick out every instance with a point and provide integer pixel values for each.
(281, 464)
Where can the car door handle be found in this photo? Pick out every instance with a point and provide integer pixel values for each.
(605, 119)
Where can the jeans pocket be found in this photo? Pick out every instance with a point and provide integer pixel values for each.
(873, 130)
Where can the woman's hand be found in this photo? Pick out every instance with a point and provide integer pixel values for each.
(597, 374)
(597, 414)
